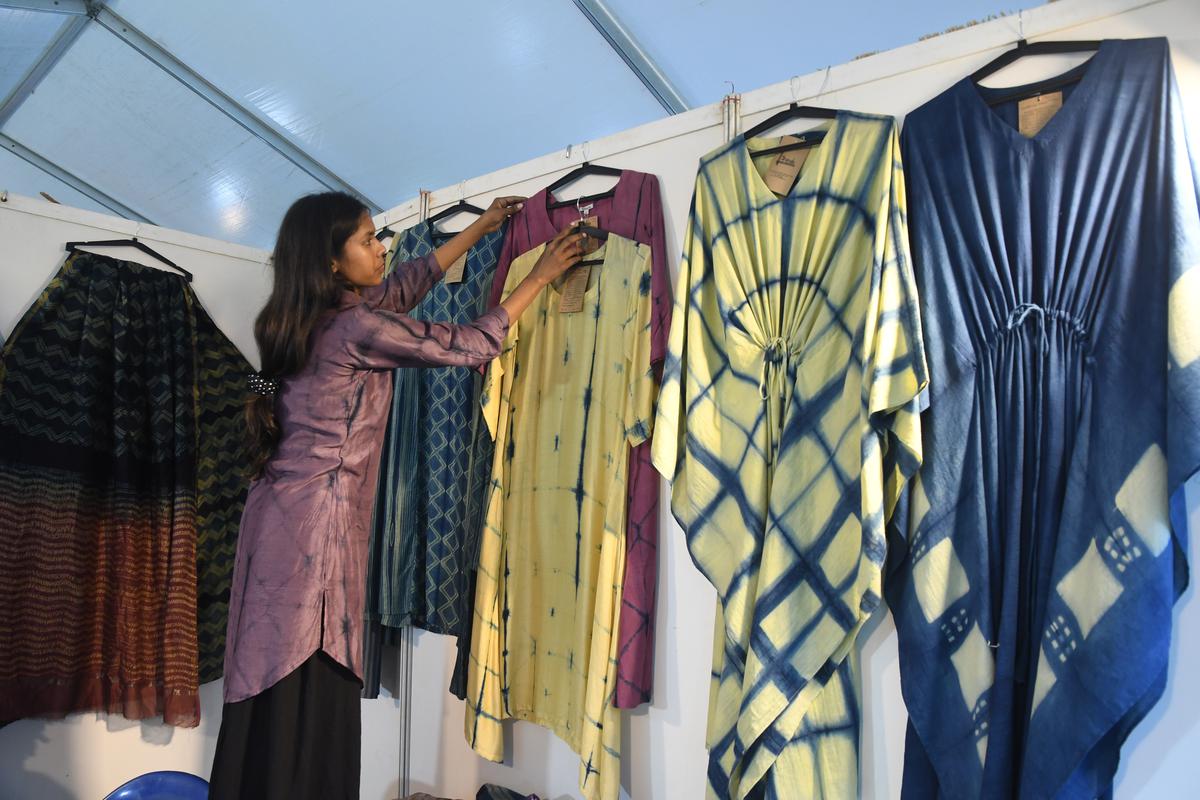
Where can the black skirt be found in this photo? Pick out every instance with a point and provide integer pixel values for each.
(299, 739)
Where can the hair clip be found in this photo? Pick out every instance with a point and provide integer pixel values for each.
(264, 386)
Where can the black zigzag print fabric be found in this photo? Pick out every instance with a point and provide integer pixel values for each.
(121, 485)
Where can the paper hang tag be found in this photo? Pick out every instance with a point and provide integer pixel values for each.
(591, 243)
(781, 175)
(1034, 112)
(454, 273)
(574, 286)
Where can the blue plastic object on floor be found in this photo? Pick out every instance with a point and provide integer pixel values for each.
(165, 785)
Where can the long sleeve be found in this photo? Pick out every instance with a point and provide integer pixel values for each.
(407, 284)
(639, 405)
(896, 373)
(652, 231)
(669, 428)
(486, 690)
(635, 664)
(378, 339)
(516, 242)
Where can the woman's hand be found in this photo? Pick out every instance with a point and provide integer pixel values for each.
(562, 252)
(501, 209)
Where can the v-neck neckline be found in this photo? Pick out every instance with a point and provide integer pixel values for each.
(814, 165)
(978, 96)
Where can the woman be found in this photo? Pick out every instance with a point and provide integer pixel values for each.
(329, 335)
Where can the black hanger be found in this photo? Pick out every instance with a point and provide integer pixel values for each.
(73, 247)
(592, 232)
(384, 232)
(1024, 49)
(793, 111)
(461, 207)
(583, 170)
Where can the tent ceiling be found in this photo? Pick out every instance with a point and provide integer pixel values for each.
(24, 35)
(380, 97)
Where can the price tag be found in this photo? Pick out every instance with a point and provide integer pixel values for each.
(573, 288)
(454, 274)
(1034, 112)
(781, 175)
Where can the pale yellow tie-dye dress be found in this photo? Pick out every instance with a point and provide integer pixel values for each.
(569, 395)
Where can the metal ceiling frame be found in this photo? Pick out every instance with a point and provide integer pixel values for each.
(87, 10)
(66, 36)
(247, 119)
(75, 182)
(74, 7)
(638, 61)
(596, 12)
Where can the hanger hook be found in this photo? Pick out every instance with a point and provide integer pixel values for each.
(1021, 27)
(824, 81)
(732, 88)
(794, 83)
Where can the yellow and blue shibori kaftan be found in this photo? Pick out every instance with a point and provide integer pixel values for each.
(789, 423)
(568, 396)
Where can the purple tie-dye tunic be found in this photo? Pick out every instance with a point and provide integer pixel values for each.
(298, 580)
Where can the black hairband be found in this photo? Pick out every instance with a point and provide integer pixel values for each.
(264, 386)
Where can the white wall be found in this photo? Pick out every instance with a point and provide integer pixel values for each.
(232, 281)
(88, 754)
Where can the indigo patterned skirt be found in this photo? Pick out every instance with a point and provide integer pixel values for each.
(121, 487)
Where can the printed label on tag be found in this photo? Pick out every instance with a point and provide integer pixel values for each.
(573, 288)
(1034, 112)
(781, 175)
(454, 274)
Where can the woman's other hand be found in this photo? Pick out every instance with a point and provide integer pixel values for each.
(562, 252)
(500, 210)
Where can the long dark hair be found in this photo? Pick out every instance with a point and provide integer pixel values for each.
(313, 232)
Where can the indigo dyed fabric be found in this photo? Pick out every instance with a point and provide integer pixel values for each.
(1060, 281)
(437, 463)
(789, 424)
(221, 483)
(120, 489)
(568, 397)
